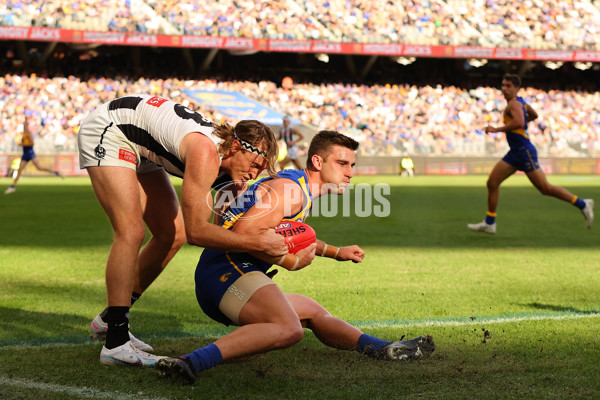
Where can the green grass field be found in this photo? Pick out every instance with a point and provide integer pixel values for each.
(515, 315)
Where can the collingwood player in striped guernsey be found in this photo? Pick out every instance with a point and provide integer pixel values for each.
(128, 146)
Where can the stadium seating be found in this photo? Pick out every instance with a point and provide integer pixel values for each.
(560, 24)
(386, 119)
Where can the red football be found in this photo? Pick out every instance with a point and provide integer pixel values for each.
(297, 235)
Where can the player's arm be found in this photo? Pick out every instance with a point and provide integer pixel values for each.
(276, 199)
(201, 168)
(224, 196)
(514, 109)
(27, 137)
(531, 114)
(353, 253)
(297, 135)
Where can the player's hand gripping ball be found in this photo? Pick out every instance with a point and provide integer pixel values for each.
(297, 235)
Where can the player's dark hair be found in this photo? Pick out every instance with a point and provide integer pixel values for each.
(322, 142)
(254, 132)
(513, 78)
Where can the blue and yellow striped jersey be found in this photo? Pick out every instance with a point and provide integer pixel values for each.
(248, 199)
(518, 137)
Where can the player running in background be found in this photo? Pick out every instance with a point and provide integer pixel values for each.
(291, 136)
(28, 155)
(234, 288)
(128, 145)
(522, 156)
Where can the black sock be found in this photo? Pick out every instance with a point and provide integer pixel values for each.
(103, 315)
(135, 296)
(118, 327)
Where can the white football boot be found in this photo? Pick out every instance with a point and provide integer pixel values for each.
(588, 212)
(483, 227)
(128, 355)
(98, 329)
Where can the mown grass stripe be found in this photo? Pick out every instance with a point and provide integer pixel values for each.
(72, 390)
(217, 333)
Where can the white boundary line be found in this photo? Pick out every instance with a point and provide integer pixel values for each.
(99, 394)
(475, 321)
(72, 390)
(359, 324)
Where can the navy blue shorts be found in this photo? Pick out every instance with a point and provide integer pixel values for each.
(28, 153)
(524, 158)
(215, 272)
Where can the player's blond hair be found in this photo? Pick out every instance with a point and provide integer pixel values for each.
(253, 132)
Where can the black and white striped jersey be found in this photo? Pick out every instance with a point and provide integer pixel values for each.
(156, 126)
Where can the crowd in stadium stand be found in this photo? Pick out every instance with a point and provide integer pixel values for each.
(558, 24)
(386, 119)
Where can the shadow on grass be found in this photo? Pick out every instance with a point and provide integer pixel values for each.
(553, 307)
(30, 328)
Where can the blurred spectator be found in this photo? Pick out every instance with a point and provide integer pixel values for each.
(558, 24)
(386, 119)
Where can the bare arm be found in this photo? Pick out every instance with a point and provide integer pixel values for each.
(353, 253)
(531, 114)
(224, 196)
(299, 136)
(279, 198)
(27, 139)
(518, 118)
(202, 167)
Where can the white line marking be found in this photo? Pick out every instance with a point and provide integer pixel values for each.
(73, 390)
(98, 394)
(456, 321)
(475, 321)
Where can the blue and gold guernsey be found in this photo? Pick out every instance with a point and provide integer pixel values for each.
(217, 270)
(522, 154)
(517, 137)
(27, 143)
(248, 199)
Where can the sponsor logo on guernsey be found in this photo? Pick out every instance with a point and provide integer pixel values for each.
(156, 101)
(225, 277)
(128, 156)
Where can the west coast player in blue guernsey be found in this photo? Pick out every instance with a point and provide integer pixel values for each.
(234, 288)
(522, 156)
